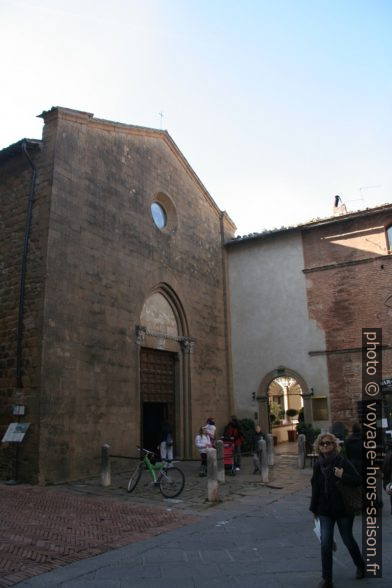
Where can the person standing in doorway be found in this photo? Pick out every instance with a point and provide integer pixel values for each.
(167, 443)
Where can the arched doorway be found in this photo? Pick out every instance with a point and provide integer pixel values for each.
(163, 359)
(285, 403)
(158, 394)
(280, 390)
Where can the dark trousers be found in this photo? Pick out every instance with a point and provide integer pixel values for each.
(237, 456)
(203, 464)
(345, 526)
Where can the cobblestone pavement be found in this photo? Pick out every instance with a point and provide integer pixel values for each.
(284, 478)
(43, 528)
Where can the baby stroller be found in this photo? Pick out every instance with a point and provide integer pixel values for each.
(228, 456)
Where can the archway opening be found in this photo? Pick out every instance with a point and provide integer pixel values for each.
(285, 405)
(157, 387)
(164, 371)
(157, 371)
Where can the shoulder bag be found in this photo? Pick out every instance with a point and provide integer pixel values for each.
(352, 498)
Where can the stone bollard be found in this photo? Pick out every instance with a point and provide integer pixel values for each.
(106, 479)
(270, 449)
(301, 451)
(220, 461)
(262, 451)
(212, 479)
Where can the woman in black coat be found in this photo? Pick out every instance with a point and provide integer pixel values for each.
(327, 503)
(387, 471)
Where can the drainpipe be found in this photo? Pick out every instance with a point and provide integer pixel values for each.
(22, 280)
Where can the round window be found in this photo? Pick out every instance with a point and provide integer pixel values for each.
(159, 215)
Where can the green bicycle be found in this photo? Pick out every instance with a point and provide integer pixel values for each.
(168, 478)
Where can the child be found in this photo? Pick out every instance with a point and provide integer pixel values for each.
(211, 430)
(203, 442)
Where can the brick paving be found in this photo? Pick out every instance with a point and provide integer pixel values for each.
(43, 528)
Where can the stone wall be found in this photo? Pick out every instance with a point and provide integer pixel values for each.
(269, 317)
(105, 256)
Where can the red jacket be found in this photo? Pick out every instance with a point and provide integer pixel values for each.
(233, 432)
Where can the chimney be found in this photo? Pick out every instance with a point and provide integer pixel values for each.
(339, 209)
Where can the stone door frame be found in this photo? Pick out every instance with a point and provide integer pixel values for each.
(182, 346)
(262, 395)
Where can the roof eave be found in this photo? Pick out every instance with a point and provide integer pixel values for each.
(16, 148)
(310, 225)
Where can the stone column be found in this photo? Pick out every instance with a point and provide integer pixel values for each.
(270, 449)
(220, 461)
(285, 400)
(301, 451)
(262, 451)
(307, 399)
(187, 345)
(263, 413)
(106, 479)
(212, 476)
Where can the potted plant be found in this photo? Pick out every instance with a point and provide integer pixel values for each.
(291, 413)
(273, 422)
(247, 427)
(310, 434)
(277, 410)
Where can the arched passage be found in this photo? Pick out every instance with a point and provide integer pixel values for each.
(164, 371)
(263, 397)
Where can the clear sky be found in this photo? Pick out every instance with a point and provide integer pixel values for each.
(278, 105)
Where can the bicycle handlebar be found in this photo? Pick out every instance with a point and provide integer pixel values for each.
(145, 450)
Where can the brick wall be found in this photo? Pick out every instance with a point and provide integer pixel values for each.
(15, 186)
(349, 280)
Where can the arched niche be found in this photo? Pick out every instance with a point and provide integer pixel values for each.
(164, 377)
(158, 316)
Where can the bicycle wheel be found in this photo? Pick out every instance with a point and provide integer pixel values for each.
(172, 482)
(134, 479)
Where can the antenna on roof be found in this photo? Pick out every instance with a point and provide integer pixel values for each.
(361, 190)
(339, 208)
(161, 115)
